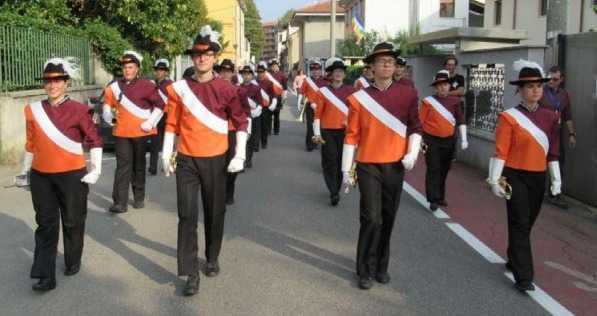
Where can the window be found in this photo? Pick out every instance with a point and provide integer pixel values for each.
(497, 12)
(542, 7)
(446, 8)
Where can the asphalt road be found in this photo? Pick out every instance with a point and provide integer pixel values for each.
(286, 252)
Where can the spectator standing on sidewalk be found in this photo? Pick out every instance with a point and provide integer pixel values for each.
(556, 98)
(298, 83)
(456, 80)
(527, 143)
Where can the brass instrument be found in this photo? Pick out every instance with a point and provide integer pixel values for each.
(173, 161)
(20, 181)
(424, 146)
(115, 113)
(352, 177)
(503, 183)
(317, 140)
(301, 117)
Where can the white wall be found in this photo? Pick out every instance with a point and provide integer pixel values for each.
(316, 37)
(430, 21)
(386, 17)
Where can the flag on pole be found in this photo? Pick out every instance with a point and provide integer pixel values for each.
(357, 24)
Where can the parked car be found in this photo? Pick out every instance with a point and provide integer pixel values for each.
(103, 128)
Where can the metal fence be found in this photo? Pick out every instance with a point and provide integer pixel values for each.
(484, 96)
(24, 51)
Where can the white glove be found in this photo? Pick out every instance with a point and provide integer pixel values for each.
(152, 121)
(495, 172)
(314, 106)
(96, 166)
(317, 127)
(167, 152)
(107, 113)
(414, 145)
(256, 112)
(463, 138)
(347, 157)
(284, 95)
(238, 162)
(27, 160)
(345, 177)
(556, 179)
(272, 106)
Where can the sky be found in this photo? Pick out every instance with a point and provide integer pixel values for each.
(272, 10)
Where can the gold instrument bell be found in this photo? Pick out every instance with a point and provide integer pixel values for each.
(503, 183)
(424, 146)
(115, 113)
(173, 161)
(352, 177)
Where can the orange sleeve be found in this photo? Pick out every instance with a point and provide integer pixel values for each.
(29, 129)
(109, 97)
(174, 111)
(353, 127)
(423, 112)
(319, 99)
(503, 138)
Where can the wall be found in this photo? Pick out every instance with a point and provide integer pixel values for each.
(12, 118)
(316, 39)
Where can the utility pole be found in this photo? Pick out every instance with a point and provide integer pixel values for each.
(557, 25)
(333, 29)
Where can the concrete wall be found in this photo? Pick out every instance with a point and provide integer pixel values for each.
(12, 118)
(580, 169)
(316, 37)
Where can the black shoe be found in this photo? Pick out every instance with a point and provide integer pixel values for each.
(335, 198)
(264, 146)
(152, 171)
(508, 266)
(256, 149)
(365, 283)
(443, 203)
(524, 286)
(248, 164)
(433, 206)
(44, 285)
(192, 286)
(138, 204)
(229, 201)
(382, 277)
(309, 148)
(72, 270)
(118, 209)
(212, 269)
(276, 133)
(558, 201)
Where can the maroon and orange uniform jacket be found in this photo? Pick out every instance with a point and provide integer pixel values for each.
(310, 87)
(278, 79)
(380, 121)
(361, 83)
(440, 116)
(332, 108)
(55, 135)
(135, 101)
(524, 139)
(405, 82)
(199, 113)
(163, 91)
(268, 88)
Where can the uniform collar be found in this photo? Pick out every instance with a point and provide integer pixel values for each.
(66, 98)
(374, 85)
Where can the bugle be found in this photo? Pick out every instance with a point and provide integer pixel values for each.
(502, 183)
(352, 177)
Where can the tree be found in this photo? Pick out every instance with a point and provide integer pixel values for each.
(285, 19)
(253, 30)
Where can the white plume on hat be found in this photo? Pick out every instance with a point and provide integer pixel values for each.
(316, 61)
(134, 53)
(263, 64)
(213, 35)
(69, 64)
(250, 65)
(443, 71)
(162, 60)
(331, 61)
(521, 63)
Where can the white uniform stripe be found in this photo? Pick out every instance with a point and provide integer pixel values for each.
(334, 100)
(273, 80)
(199, 111)
(312, 84)
(52, 131)
(364, 83)
(252, 103)
(380, 113)
(528, 125)
(128, 104)
(163, 96)
(441, 109)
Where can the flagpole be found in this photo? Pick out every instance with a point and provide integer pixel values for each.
(333, 29)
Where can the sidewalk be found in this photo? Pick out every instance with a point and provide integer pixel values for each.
(564, 241)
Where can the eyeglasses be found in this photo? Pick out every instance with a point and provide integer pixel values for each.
(386, 62)
(204, 55)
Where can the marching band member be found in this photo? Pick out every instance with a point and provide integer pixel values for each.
(280, 84)
(365, 79)
(399, 73)
(268, 87)
(140, 108)
(439, 114)
(198, 111)
(309, 90)
(251, 92)
(330, 124)
(383, 121)
(527, 139)
(54, 158)
(161, 68)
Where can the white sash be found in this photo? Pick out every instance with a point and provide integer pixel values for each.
(198, 110)
(163, 96)
(252, 103)
(52, 131)
(441, 109)
(364, 83)
(274, 81)
(380, 113)
(312, 84)
(335, 101)
(128, 104)
(530, 127)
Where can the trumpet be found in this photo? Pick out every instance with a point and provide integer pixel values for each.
(352, 177)
(317, 140)
(20, 181)
(301, 117)
(424, 146)
(173, 161)
(503, 183)
(115, 113)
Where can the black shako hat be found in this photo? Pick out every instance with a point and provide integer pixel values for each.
(131, 57)
(401, 61)
(226, 64)
(162, 63)
(383, 48)
(441, 76)
(54, 71)
(334, 63)
(61, 68)
(528, 72)
(207, 40)
(248, 68)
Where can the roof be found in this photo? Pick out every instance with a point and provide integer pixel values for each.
(266, 24)
(322, 7)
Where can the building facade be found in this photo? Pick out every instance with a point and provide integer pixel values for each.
(270, 47)
(231, 14)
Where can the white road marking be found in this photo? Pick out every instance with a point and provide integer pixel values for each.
(551, 305)
(579, 275)
(476, 244)
(421, 199)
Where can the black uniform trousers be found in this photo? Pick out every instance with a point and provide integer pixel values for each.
(230, 176)
(156, 144)
(58, 197)
(380, 186)
(524, 206)
(208, 176)
(253, 142)
(276, 117)
(331, 158)
(266, 120)
(309, 117)
(130, 168)
(438, 158)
